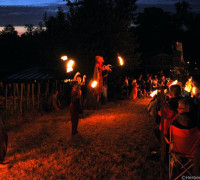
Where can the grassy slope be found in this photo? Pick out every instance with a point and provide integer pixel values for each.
(111, 145)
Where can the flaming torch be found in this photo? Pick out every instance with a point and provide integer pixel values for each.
(121, 61)
(173, 83)
(64, 58)
(70, 65)
(94, 84)
(154, 93)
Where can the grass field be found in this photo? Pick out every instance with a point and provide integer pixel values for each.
(111, 144)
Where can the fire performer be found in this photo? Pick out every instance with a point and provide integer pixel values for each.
(81, 82)
(99, 67)
(75, 106)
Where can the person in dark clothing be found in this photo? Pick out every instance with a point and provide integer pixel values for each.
(75, 106)
(170, 110)
(149, 86)
(186, 118)
(3, 142)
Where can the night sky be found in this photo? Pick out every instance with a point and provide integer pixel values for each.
(21, 12)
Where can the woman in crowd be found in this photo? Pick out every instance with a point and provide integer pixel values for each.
(134, 90)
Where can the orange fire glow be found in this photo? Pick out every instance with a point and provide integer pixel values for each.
(173, 83)
(70, 65)
(188, 87)
(154, 93)
(194, 90)
(121, 61)
(94, 84)
(64, 58)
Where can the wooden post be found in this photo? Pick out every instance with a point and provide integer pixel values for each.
(27, 96)
(33, 103)
(53, 87)
(17, 94)
(17, 90)
(6, 99)
(14, 98)
(38, 96)
(46, 92)
(163, 144)
(21, 98)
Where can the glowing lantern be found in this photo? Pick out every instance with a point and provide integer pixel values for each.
(94, 84)
(121, 61)
(64, 58)
(173, 83)
(70, 65)
(154, 93)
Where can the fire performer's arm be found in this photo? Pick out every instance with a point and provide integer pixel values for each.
(83, 82)
(106, 67)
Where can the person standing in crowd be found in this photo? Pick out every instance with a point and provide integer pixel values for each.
(125, 87)
(149, 85)
(134, 90)
(155, 82)
(162, 81)
(129, 85)
(3, 143)
(140, 85)
(75, 106)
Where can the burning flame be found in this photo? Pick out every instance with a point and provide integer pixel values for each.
(173, 83)
(70, 65)
(121, 61)
(194, 90)
(64, 58)
(94, 84)
(188, 87)
(154, 93)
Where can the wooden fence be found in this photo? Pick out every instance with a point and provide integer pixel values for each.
(24, 97)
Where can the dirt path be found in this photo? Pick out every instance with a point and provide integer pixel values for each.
(111, 145)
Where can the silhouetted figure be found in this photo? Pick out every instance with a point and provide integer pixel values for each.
(134, 90)
(75, 106)
(53, 102)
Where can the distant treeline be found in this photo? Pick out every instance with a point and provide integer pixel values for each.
(105, 28)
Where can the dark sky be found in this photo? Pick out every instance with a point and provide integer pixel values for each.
(21, 12)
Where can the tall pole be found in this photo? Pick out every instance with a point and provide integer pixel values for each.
(6, 100)
(14, 98)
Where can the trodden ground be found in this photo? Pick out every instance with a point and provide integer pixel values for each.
(111, 144)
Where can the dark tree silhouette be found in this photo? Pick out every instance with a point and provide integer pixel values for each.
(9, 30)
(155, 32)
(100, 27)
